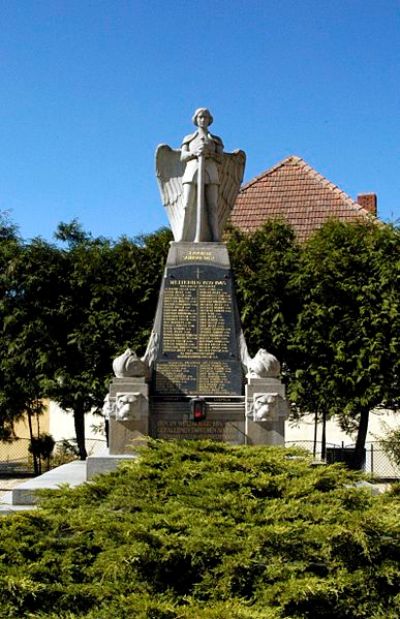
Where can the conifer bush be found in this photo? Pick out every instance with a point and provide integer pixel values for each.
(200, 530)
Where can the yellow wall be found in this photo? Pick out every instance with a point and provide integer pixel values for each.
(18, 450)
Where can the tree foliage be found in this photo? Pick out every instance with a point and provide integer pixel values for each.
(390, 443)
(68, 310)
(206, 531)
(110, 304)
(12, 397)
(330, 311)
(265, 264)
(346, 341)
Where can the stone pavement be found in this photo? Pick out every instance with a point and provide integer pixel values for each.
(22, 496)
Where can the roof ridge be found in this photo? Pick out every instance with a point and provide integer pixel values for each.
(316, 175)
(276, 166)
(333, 187)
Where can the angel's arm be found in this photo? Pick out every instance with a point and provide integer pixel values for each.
(186, 154)
(217, 154)
(218, 151)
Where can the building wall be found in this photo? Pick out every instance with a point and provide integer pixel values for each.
(18, 450)
(56, 422)
(304, 430)
(61, 424)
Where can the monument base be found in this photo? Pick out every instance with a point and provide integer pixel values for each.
(105, 463)
(224, 421)
(195, 364)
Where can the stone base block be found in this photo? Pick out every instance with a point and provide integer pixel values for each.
(98, 465)
(126, 435)
(267, 433)
(266, 411)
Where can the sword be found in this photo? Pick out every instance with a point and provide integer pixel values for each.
(200, 197)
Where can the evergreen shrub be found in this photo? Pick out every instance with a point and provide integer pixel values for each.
(200, 530)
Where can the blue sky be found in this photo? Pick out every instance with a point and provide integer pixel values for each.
(88, 88)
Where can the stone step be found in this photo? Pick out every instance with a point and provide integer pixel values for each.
(23, 496)
(6, 506)
(105, 463)
(73, 474)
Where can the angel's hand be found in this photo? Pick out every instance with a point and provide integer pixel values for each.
(186, 155)
(201, 150)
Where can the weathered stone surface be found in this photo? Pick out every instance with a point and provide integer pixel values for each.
(105, 463)
(224, 421)
(129, 365)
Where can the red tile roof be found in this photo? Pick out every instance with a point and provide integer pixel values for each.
(293, 191)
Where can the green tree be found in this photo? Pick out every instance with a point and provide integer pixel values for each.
(263, 263)
(11, 404)
(109, 303)
(345, 346)
(66, 312)
(32, 278)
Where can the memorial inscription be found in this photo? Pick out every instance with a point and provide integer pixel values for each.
(217, 430)
(198, 352)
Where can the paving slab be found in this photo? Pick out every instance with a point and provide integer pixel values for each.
(72, 473)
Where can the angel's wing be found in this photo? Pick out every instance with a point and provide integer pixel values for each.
(230, 176)
(169, 170)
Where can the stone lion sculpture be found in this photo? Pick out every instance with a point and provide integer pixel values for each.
(127, 406)
(129, 365)
(263, 365)
(265, 406)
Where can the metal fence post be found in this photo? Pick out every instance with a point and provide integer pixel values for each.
(372, 459)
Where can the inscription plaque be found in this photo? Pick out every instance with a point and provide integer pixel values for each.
(198, 353)
(215, 430)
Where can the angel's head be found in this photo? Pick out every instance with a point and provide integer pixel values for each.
(202, 117)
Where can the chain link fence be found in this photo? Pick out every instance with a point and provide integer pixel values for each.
(15, 459)
(377, 463)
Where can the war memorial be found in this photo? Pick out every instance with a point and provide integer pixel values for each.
(196, 379)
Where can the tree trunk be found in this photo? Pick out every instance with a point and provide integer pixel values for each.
(359, 451)
(79, 423)
(315, 434)
(323, 437)
(36, 460)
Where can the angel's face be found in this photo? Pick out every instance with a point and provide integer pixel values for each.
(203, 120)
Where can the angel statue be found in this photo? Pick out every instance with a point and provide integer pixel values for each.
(199, 183)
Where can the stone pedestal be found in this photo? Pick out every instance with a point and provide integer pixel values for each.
(266, 411)
(197, 352)
(129, 421)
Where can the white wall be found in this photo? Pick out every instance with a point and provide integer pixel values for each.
(61, 424)
(304, 430)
